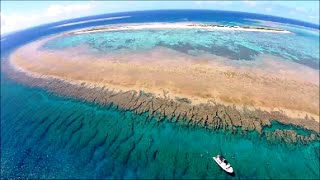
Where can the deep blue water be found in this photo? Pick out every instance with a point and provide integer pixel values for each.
(225, 17)
(47, 136)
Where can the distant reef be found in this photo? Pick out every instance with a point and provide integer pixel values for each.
(209, 27)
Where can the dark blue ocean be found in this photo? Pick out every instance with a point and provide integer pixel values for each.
(44, 135)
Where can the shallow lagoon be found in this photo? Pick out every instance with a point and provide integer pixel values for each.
(235, 45)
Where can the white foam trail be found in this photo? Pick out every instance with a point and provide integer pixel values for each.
(94, 20)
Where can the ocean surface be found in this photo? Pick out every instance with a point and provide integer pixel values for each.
(44, 135)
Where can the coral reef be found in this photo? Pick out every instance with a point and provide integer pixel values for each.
(211, 115)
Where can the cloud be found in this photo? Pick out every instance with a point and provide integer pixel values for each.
(205, 3)
(301, 9)
(268, 9)
(313, 17)
(54, 12)
(57, 10)
(250, 3)
(94, 20)
(16, 21)
(300, 13)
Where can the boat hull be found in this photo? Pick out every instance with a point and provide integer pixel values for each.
(228, 170)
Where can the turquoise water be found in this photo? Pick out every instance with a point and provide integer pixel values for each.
(48, 136)
(299, 46)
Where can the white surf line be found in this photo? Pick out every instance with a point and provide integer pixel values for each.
(93, 20)
(178, 26)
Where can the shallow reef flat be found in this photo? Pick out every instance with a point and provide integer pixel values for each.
(209, 91)
(196, 41)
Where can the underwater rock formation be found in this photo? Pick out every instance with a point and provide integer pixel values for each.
(211, 115)
(289, 136)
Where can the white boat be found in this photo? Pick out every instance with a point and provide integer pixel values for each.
(223, 163)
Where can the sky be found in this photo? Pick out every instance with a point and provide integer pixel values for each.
(17, 15)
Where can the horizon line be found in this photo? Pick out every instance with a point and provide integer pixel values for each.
(317, 26)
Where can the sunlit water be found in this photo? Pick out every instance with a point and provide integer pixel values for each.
(47, 136)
